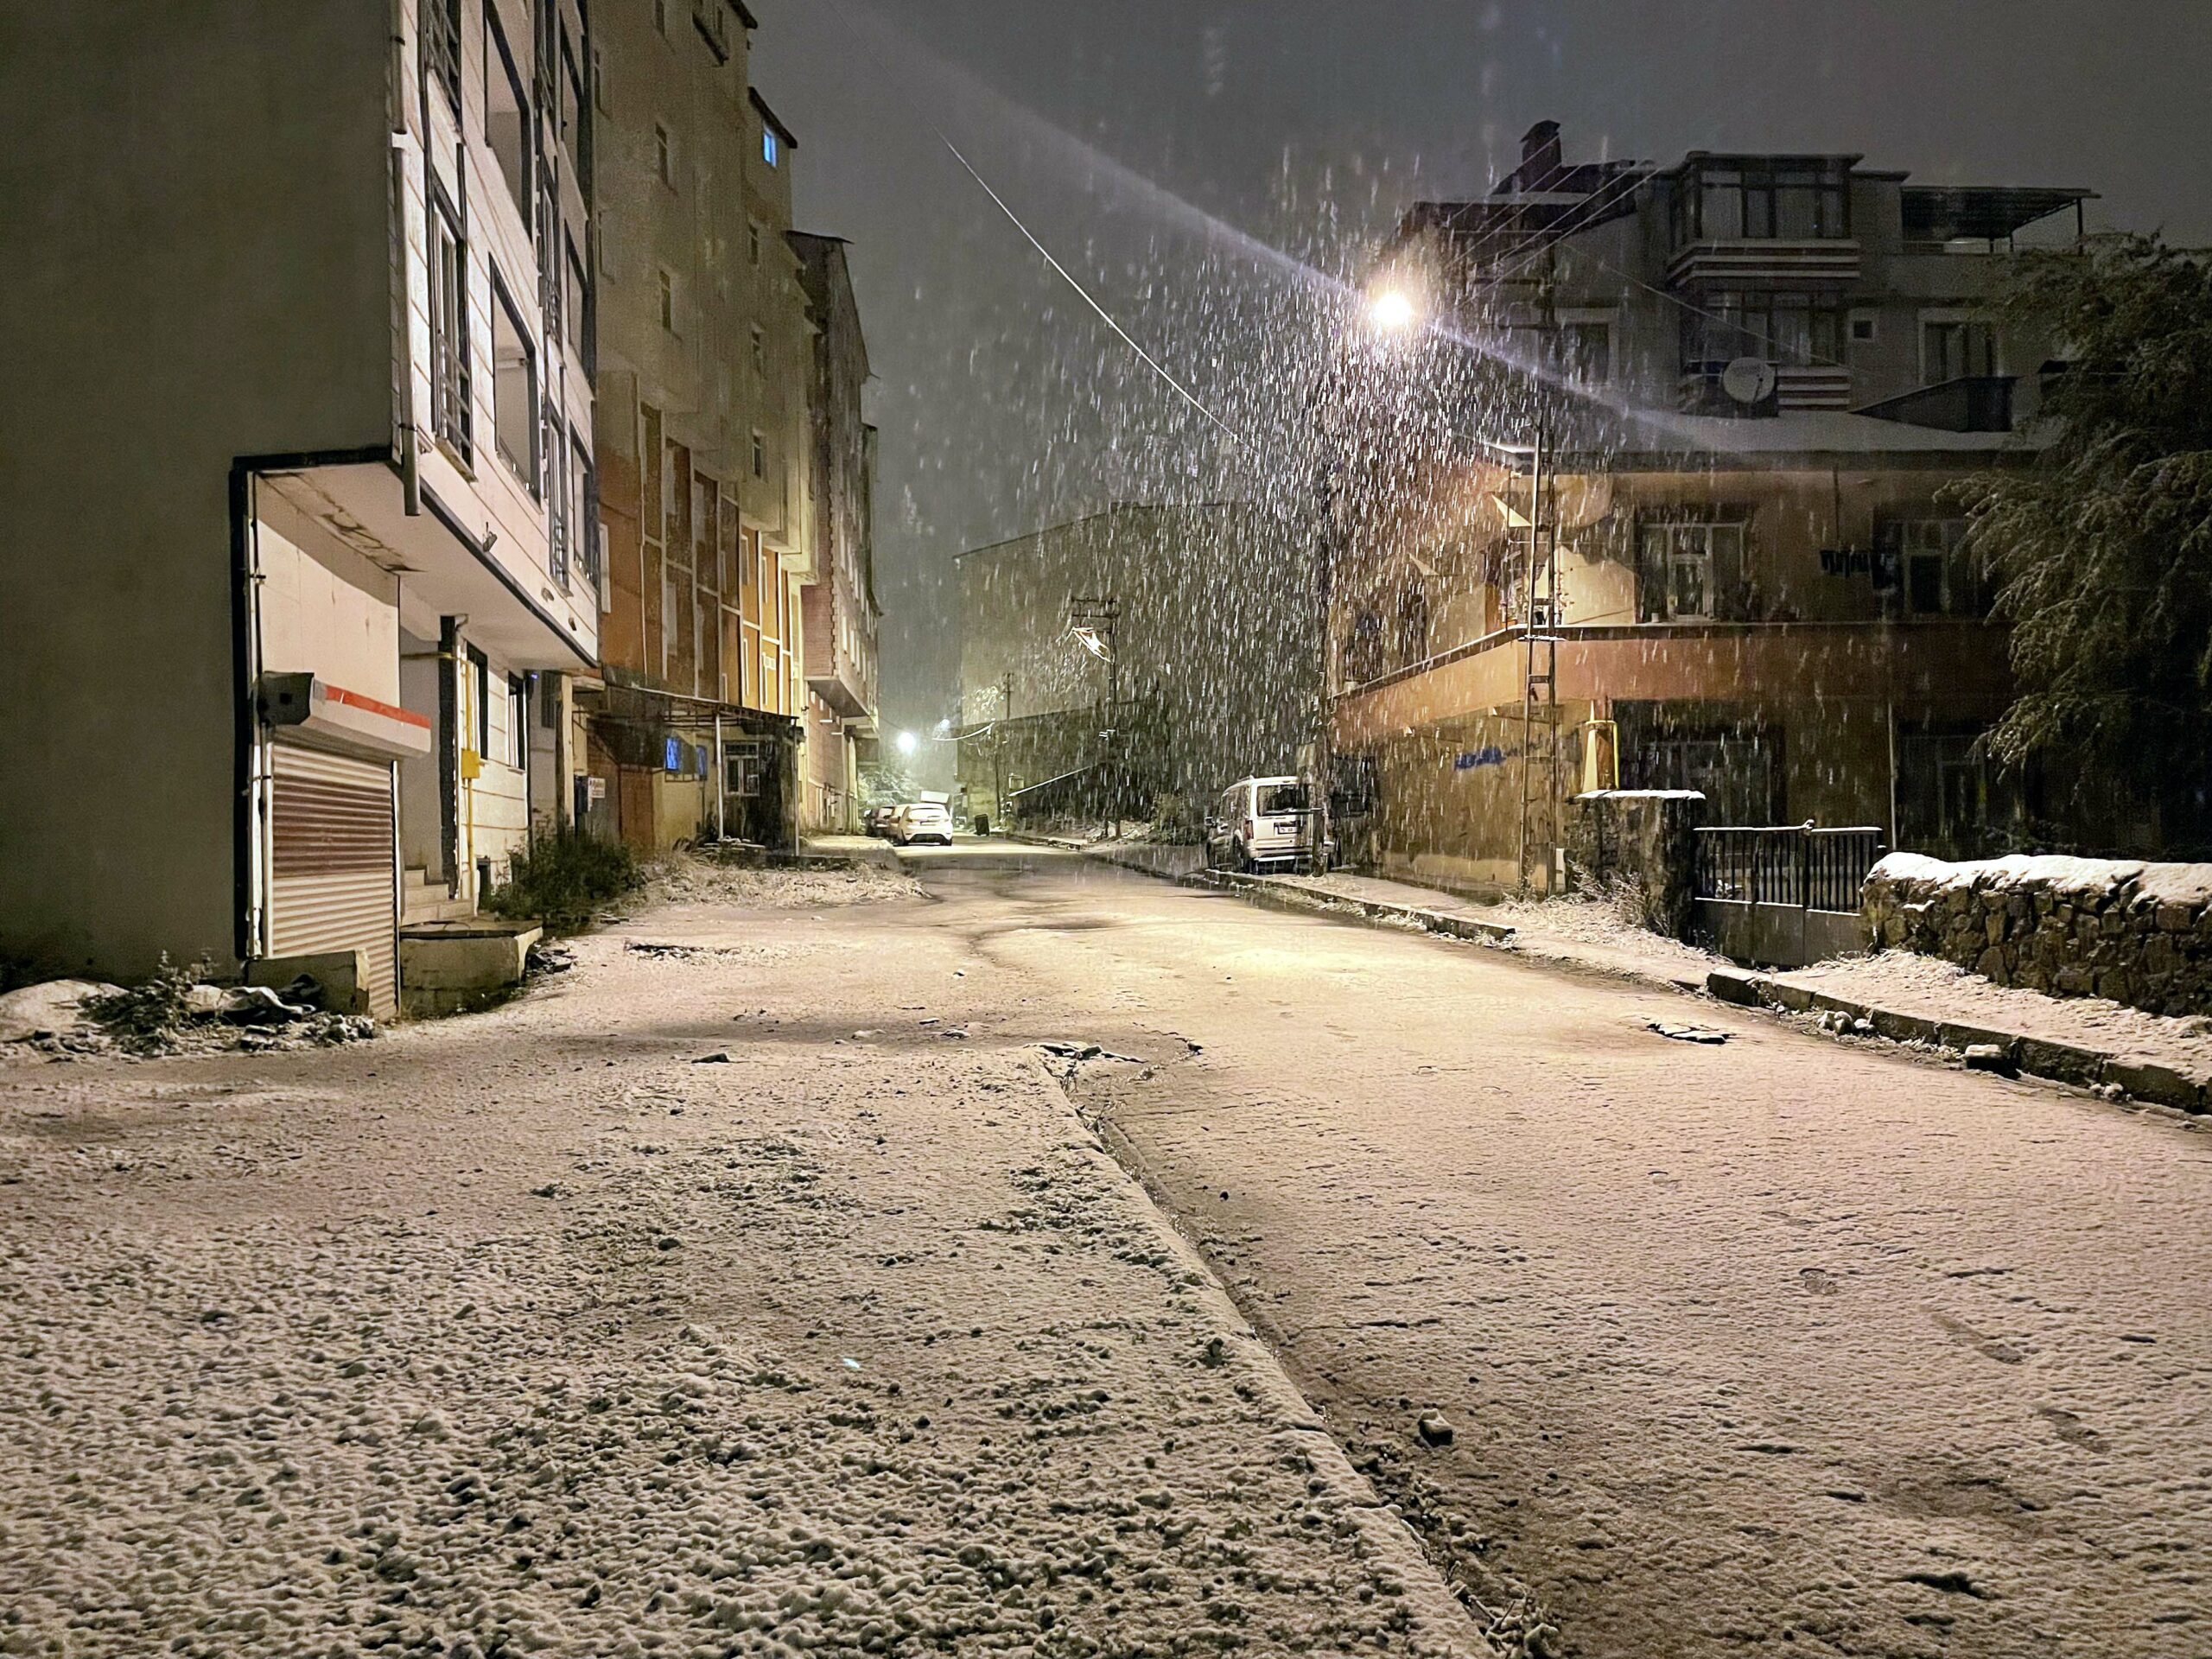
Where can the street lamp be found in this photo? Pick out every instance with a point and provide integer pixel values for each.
(1393, 311)
(908, 742)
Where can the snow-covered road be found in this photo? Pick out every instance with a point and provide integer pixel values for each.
(555, 1329)
(1776, 1342)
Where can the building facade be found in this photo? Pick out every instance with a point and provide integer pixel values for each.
(842, 616)
(704, 346)
(313, 555)
(1133, 662)
(1709, 542)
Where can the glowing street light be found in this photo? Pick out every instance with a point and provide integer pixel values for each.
(1392, 311)
(908, 742)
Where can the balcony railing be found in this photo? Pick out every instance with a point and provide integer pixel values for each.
(1801, 865)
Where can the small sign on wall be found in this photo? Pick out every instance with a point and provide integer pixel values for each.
(1469, 760)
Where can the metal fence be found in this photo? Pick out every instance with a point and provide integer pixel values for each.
(1786, 864)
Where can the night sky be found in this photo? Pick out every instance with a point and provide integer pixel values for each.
(1160, 148)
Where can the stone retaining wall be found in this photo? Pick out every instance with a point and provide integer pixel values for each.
(1643, 839)
(2137, 933)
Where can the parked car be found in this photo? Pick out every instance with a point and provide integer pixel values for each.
(919, 821)
(1258, 822)
(877, 822)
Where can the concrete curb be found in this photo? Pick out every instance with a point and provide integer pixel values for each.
(1277, 894)
(2042, 1056)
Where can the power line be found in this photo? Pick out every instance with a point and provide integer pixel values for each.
(1067, 276)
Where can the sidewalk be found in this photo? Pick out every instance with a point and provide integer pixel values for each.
(721, 1294)
(2085, 1041)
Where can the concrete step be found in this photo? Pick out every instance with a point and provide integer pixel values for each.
(432, 907)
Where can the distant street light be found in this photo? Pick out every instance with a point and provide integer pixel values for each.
(908, 742)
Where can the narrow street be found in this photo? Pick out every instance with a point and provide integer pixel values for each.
(751, 1284)
(1779, 1340)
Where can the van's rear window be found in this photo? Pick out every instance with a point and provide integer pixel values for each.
(1282, 797)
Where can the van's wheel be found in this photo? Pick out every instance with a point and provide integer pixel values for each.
(1240, 860)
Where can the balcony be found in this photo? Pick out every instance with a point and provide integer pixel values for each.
(1935, 665)
(1974, 403)
(1767, 262)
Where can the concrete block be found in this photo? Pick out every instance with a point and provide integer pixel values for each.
(343, 975)
(1904, 1028)
(2062, 1061)
(1783, 994)
(2167, 1086)
(1732, 985)
(1952, 1035)
(1836, 1004)
(446, 966)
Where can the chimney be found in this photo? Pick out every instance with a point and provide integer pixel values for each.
(1539, 160)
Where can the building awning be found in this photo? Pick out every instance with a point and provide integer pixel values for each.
(1981, 212)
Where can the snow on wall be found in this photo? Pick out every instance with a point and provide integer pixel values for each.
(2135, 932)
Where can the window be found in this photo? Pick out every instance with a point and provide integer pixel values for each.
(506, 114)
(1954, 348)
(771, 149)
(759, 350)
(518, 747)
(480, 698)
(1363, 656)
(1690, 568)
(1921, 559)
(660, 17)
(1863, 330)
(746, 763)
(1412, 626)
(664, 156)
(759, 455)
(1750, 199)
(441, 46)
(583, 537)
(514, 388)
(598, 82)
(1586, 351)
(1790, 330)
(668, 301)
(572, 107)
(559, 525)
(449, 381)
(575, 297)
(753, 242)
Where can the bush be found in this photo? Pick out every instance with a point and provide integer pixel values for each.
(563, 880)
(147, 1018)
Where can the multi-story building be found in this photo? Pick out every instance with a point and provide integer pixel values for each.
(297, 565)
(1133, 661)
(842, 615)
(1750, 378)
(704, 350)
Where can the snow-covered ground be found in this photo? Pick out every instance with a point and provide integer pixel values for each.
(742, 1297)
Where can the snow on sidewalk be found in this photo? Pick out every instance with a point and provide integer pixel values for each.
(548, 1331)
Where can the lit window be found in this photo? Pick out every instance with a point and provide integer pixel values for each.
(770, 149)
(1689, 569)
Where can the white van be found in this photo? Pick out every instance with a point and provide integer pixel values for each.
(1258, 822)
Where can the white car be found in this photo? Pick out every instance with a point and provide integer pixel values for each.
(922, 821)
(1258, 822)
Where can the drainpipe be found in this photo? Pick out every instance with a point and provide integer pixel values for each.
(449, 751)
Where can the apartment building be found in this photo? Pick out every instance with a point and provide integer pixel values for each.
(840, 610)
(704, 348)
(298, 569)
(1708, 543)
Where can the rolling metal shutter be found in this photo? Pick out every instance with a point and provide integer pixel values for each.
(333, 863)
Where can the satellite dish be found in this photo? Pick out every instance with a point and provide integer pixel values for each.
(1748, 379)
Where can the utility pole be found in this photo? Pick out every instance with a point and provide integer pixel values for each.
(1540, 587)
(1101, 614)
